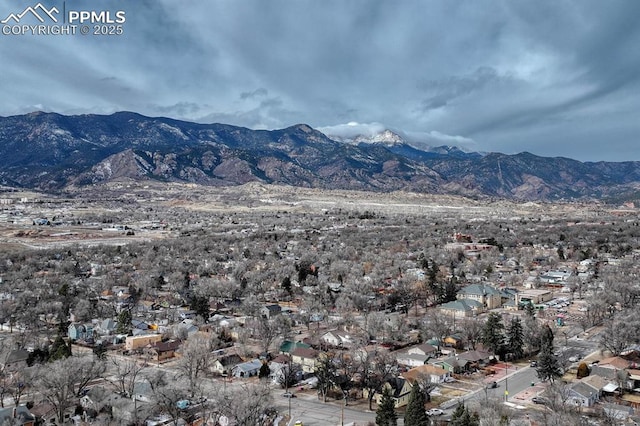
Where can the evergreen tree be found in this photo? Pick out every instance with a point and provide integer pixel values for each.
(134, 294)
(415, 414)
(548, 365)
(515, 338)
(529, 310)
(100, 351)
(59, 349)
(124, 322)
(531, 330)
(450, 291)
(492, 336)
(159, 282)
(432, 275)
(264, 371)
(386, 413)
(462, 417)
(546, 338)
(200, 304)
(286, 285)
(424, 263)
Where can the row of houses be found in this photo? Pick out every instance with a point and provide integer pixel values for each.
(612, 384)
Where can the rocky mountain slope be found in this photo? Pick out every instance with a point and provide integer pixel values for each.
(50, 152)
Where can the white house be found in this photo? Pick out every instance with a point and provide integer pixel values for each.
(411, 360)
(337, 338)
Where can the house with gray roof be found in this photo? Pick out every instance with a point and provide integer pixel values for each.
(77, 331)
(453, 364)
(99, 397)
(424, 349)
(489, 296)
(476, 357)
(411, 360)
(337, 338)
(583, 394)
(270, 311)
(107, 326)
(247, 369)
(19, 415)
(225, 363)
(15, 360)
(461, 308)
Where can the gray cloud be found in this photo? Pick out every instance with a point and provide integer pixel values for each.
(181, 109)
(261, 92)
(441, 92)
(552, 78)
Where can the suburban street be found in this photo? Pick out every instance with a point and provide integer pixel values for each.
(311, 411)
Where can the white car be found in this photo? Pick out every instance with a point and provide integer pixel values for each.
(435, 412)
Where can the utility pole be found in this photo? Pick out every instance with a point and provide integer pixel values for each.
(342, 410)
(286, 382)
(506, 382)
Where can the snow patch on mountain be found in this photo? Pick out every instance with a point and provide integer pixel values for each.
(354, 132)
(349, 131)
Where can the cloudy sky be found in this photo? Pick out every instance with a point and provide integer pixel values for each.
(555, 78)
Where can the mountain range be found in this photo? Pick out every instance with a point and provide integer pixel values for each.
(52, 152)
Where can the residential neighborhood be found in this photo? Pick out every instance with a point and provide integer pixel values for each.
(325, 307)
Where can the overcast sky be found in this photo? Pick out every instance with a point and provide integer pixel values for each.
(555, 78)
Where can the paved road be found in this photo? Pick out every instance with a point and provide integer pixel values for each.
(515, 382)
(316, 413)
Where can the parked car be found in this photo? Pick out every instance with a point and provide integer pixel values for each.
(540, 400)
(298, 423)
(435, 412)
(288, 395)
(533, 363)
(492, 385)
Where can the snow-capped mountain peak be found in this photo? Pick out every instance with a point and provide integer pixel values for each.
(386, 137)
(364, 135)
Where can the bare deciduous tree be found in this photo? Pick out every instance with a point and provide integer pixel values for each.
(471, 329)
(167, 392)
(376, 367)
(435, 326)
(61, 382)
(272, 330)
(126, 371)
(620, 332)
(246, 404)
(196, 359)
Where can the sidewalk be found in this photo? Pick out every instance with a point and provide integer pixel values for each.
(529, 393)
